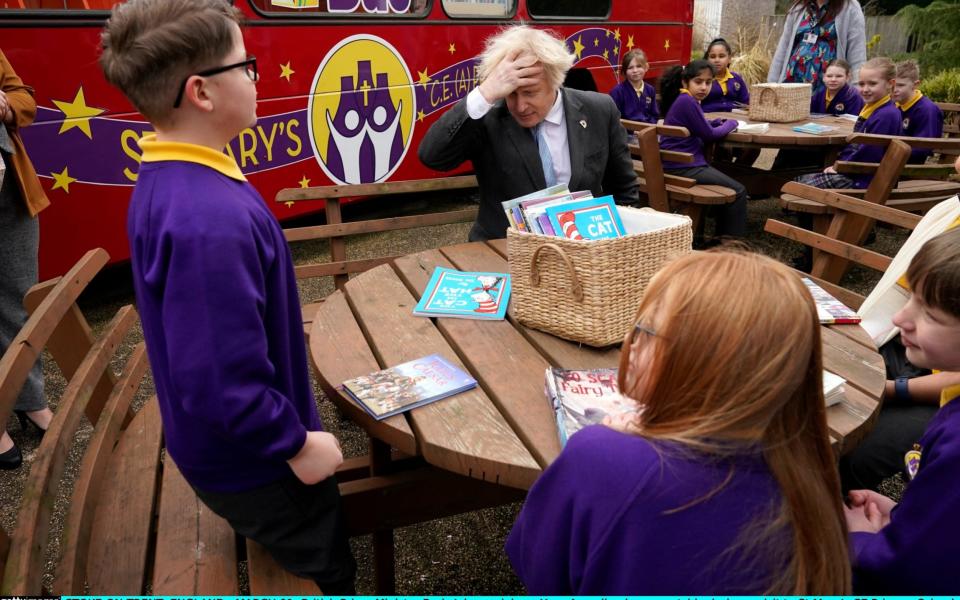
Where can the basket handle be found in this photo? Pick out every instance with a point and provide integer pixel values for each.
(776, 99)
(576, 288)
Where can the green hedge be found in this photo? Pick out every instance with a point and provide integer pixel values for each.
(943, 87)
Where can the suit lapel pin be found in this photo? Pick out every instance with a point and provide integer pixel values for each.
(583, 124)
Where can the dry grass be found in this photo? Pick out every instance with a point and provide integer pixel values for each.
(754, 48)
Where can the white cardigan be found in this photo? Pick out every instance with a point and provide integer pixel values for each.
(851, 40)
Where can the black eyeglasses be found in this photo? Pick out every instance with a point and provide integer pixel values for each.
(249, 67)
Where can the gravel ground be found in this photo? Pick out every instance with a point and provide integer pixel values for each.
(460, 555)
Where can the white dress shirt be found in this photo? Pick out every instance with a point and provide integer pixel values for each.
(554, 129)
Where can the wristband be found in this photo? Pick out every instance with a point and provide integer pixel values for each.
(900, 389)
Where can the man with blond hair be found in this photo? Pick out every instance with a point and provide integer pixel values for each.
(524, 131)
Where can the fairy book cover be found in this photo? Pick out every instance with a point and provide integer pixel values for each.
(465, 295)
(409, 385)
(590, 219)
(583, 397)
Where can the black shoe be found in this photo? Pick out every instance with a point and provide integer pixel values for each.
(11, 459)
(24, 418)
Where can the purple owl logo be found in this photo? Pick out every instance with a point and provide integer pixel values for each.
(361, 132)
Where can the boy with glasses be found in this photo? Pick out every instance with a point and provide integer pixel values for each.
(216, 291)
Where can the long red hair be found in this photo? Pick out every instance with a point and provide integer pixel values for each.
(735, 360)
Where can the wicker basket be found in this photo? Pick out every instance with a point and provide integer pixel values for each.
(780, 102)
(589, 291)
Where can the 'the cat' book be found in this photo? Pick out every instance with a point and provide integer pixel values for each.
(465, 295)
(409, 385)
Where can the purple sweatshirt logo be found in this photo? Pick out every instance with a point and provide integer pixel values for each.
(362, 133)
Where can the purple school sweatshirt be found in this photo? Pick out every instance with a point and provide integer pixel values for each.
(686, 112)
(923, 118)
(641, 108)
(718, 101)
(221, 316)
(847, 101)
(918, 551)
(884, 120)
(617, 515)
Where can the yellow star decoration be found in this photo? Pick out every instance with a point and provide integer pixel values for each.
(62, 180)
(421, 116)
(289, 203)
(424, 78)
(286, 71)
(630, 43)
(304, 183)
(608, 33)
(666, 45)
(452, 48)
(606, 55)
(578, 47)
(616, 35)
(596, 42)
(77, 114)
(616, 50)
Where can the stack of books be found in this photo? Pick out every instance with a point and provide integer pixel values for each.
(555, 211)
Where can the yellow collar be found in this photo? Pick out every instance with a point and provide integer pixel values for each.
(154, 151)
(723, 80)
(917, 94)
(829, 97)
(948, 394)
(868, 109)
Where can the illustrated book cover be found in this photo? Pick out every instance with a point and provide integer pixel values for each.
(465, 295)
(583, 397)
(409, 385)
(830, 310)
(589, 219)
(814, 128)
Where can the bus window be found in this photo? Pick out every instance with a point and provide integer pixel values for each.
(58, 4)
(473, 9)
(343, 8)
(548, 9)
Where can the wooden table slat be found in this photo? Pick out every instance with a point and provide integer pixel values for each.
(506, 365)
(340, 352)
(489, 449)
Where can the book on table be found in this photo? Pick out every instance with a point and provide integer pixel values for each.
(406, 386)
(583, 397)
(747, 127)
(830, 310)
(834, 387)
(814, 128)
(465, 295)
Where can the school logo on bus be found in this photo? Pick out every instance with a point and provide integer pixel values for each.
(361, 110)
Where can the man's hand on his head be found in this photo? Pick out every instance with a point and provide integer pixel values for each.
(515, 70)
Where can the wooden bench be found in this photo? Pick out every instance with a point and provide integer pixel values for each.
(951, 119)
(847, 227)
(337, 231)
(849, 209)
(665, 191)
(132, 524)
(920, 186)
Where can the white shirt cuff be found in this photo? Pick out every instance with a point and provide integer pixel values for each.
(477, 106)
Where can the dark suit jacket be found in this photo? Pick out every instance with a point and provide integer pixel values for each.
(507, 163)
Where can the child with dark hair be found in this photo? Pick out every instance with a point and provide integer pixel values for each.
(878, 116)
(636, 99)
(682, 90)
(836, 97)
(728, 90)
(217, 294)
(921, 115)
(911, 547)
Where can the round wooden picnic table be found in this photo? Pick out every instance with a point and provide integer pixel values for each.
(504, 430)
(782, 135)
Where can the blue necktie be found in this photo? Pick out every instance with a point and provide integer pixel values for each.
(545, 159)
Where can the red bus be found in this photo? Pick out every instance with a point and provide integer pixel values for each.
(347, 90)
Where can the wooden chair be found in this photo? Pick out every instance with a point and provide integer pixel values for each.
(951, 119)
(666, 191)
(852, 210)
(337, 231)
